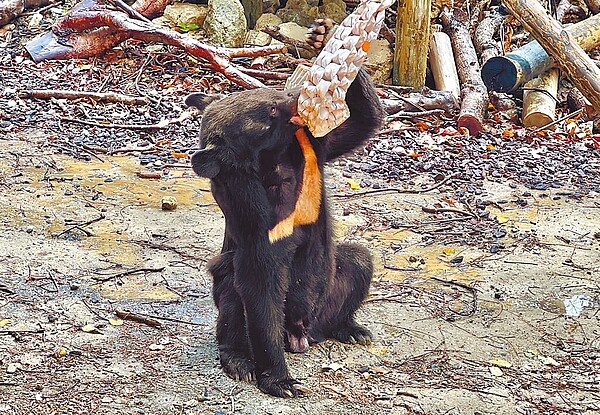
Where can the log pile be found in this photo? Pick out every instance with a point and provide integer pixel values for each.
(519, 49)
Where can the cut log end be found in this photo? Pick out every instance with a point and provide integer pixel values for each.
(500, 74)
(536, 120)
(471, 123)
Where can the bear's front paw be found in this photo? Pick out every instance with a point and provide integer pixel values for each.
(317, 33)
(238, 367)
(282, 387)
(353, 333)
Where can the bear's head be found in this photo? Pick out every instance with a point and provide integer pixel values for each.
(236, 128)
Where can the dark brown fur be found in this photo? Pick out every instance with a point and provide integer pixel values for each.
(278, 295)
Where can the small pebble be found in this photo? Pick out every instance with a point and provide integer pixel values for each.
(169, 203)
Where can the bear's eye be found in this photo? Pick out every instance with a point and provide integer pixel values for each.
(273, 111)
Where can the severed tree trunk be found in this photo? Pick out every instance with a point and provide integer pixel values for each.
(412, 42)
(428, 100)
(10, 9)
(539, 100)
(92, 27)
(485, 44)
(474, 93)
(506, 73)
(566, 53)
(443, 68)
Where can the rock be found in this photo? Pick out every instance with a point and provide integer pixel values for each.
(298, 11)
(334, 9)
(169, 203)
(185, 14)
(380, 60)
(293, 30)
(268, 19)
(270, 6)
(225, 23)
(305, 12)
(12, 368)
(257, 38)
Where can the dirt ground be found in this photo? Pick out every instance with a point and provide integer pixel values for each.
(458, 329)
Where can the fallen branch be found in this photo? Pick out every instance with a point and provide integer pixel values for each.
(97, 96)
(447, 210)
(11, 9)
(125, 273)
(399, 190)
(91, 28)
(138, 318)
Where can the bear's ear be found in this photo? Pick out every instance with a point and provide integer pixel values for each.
(205, 163)
(200, 100)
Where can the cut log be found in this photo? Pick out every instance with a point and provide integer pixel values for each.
(539, 100)
(91, 28)
(412, 43)
(443, 68)
(484, 41)
(428, 100)
(11, 9)
(568, 55)
(474, 93)
(507, 73)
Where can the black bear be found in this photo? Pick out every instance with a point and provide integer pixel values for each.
(280, 283)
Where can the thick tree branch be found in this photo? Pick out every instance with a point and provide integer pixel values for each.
(91, 28)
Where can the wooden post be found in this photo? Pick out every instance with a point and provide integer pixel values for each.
(568, 55)
(507, 73)
(539, 100)
(443, 67)
(412, 42)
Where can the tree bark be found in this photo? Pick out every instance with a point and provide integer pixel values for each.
(485, 44)
(91, 28)
(568, 55)
(429, 100)
(474, 93)
(412, 42)
(539, 100)
(443, 68)
(507, 73)
(10, 9)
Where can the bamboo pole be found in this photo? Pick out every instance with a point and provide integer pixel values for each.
(412, 42)
(507, 73)
(568, 55)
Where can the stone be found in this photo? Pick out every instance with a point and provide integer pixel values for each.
(305, 12)
(267, 19)
(225, 24)
(169, 203)
(293, 30)
(270, 6)
(298, 11)
(257, 38)
(185, 14)
(334, 9)
(380, 60)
